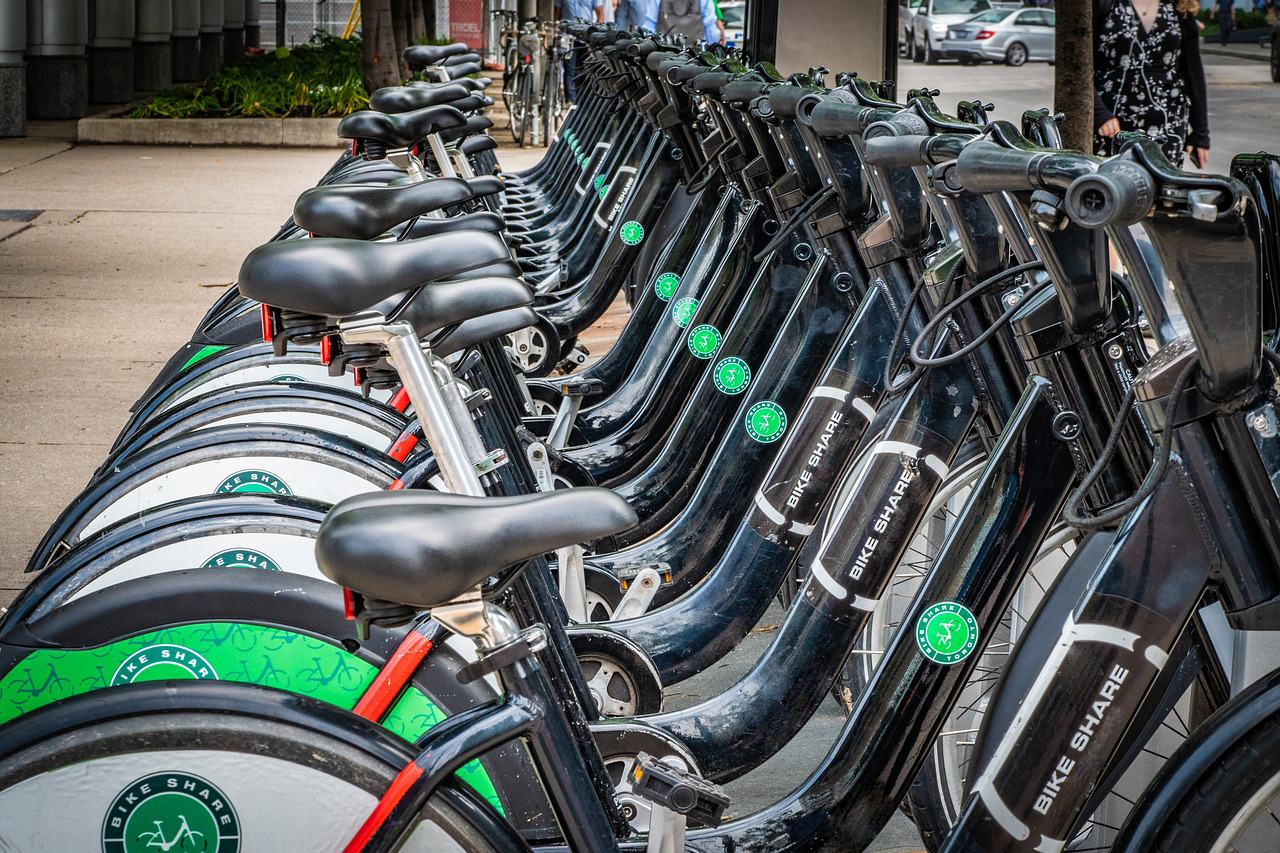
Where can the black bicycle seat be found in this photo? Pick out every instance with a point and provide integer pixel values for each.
(425, 549)
(480, 329)
(475, 84)
(475, 124)
(460, 301)
(403, 99)
(421, 55)
(402, 129)
(484, 221)
(334, 277)
(476, 144)
(364, 212)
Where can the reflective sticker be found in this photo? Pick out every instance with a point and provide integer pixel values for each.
(241, 558)
(732, 375)
(168, 811)
(632, 233)
(947, 632)
(261, 482)
(766, 421)
(704, 340)
(666, 286)
(682, 311)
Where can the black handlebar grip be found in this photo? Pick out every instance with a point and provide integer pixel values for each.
(990, 168)
(896, 151)
(838, 118)
(680, 71)
(711, 82)
(1120, 193)
(740, 93)
(783, 100)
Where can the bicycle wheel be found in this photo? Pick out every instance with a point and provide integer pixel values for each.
(524, 94)
(189, 766)
(1229, 779)
(515, 105)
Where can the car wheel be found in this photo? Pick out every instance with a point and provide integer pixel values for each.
(930, 58)
(1275, 60)
(915, 51)
(1016, 54)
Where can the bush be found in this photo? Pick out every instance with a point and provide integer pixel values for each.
(323, 77)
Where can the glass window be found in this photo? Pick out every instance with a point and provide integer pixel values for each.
(959, 7)
(991, 16)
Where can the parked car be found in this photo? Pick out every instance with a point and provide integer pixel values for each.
(735, 23)
(906, 15)
(1011, 36)
(929, 27)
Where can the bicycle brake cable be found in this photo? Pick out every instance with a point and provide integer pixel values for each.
(801, 214)
(930, 330)
(893, 365)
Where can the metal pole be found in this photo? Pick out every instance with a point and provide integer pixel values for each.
(280, 13)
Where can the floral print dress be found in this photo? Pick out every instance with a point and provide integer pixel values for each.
(1138, 77)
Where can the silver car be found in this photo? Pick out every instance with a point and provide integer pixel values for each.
(929, 27)
(1010, 36)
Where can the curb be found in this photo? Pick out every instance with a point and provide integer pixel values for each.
(108, 128)
(1234, 54)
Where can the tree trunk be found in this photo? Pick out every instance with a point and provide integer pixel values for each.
(1073, 80)
(419, 30)
(403, 21)
(381, 58)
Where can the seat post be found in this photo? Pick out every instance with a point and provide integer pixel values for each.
(441, 154)
(407, 356)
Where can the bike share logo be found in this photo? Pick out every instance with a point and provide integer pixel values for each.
(947, 632)
(241, 558)
(682, 312)
(600, 186)
(666, 286)
(254, 481)
(766, 421)
(632, 232)
(732, 375)
(704, 340)
(163, 662)
(171, 812)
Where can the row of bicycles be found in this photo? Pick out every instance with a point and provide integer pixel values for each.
(996, 422)
(534, 53)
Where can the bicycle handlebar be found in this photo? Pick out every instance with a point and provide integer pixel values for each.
(985, 167)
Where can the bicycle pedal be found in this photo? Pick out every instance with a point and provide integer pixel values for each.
(701, 801)
(529, 641)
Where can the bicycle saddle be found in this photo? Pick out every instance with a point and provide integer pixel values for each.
(401, 130)
(425, 549)
(335, 277)
(421, 55)
(475, 124)
(477, 330)
(485, 221)
(476, 144)
(475, 84)
(459, 302)
(403, 99)
(362, 212)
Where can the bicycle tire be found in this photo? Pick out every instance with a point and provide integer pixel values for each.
(1241, 783)
(525, 95)
(225, 760)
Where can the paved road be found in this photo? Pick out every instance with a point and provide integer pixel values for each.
(1244, 105)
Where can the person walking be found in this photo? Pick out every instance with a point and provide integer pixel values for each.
(1226, 19)
(637, 13)
(1148, 76)
(693, 19)
(587, 10)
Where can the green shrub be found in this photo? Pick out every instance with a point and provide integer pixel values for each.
(323, 77)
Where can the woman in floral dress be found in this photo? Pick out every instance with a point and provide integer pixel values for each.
(1148, 76)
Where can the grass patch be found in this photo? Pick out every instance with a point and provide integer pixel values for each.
(323, 77)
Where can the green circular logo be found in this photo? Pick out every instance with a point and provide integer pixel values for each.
(174, 812)
(162, 662)
(666, 286)
(766, 421)
(604, 191)
(947, 632)
(599, 181)
(732, 375)
(632, 232)
(287, 377)
(704, 340)
(263, 482)
(682, 311)
(241, 558)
